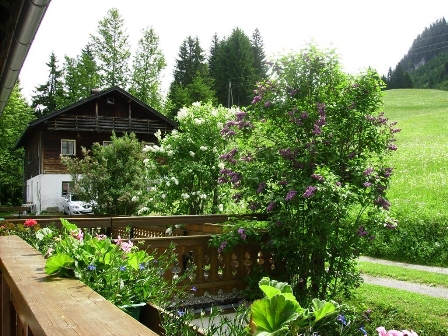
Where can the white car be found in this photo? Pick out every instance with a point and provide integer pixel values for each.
(71, 205)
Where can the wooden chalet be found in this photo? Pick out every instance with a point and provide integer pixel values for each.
(81, 124)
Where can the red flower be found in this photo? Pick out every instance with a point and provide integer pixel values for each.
(30, 222)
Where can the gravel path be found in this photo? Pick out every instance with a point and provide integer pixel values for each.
(436, 291)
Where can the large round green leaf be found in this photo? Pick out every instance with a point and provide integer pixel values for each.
(57, 263)
(272, 315)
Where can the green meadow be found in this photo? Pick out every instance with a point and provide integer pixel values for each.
(419, 188)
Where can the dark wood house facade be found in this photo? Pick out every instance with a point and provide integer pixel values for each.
(81, 124)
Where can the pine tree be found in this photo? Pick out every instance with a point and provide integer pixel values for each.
(148, 64)
(259, 56)
(112, 50)
(191, 78)
(234, 74)
(49, 97)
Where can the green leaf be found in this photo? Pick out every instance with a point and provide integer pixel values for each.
(322, 308)
(272, 315)
(271, 287)
(58, 262)
(67, 225)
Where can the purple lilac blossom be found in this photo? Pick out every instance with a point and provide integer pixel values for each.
(256, 99)
(241, 233)
(317, 177)
(317, 130)
(261, 187)
(246, 158)
(253, 206)
(240, 115)
(367, 184)
(362, 232)
(290, 195)
(387, 172)
(383, 203)
(309, 192)
(270, 207)
(237, 197)
(267, 104)
(351, 155)
(288, 153)
(222, 246)
(368, 171)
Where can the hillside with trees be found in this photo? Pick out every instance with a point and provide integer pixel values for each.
(425, 66)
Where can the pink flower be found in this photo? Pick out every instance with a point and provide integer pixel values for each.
(126, 247)
(409, 333)
(100, 236)
(118, 241)
(30, 222)
(78, 234)
(382, 332)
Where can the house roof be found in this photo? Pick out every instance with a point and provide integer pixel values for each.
(37, 122)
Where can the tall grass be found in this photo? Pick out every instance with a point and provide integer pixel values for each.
(419, 188)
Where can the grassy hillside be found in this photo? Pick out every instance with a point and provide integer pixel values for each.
(419, 187)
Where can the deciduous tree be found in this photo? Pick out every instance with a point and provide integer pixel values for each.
(80, 75)
(110, 175)
(13, 122)
(112, 50)
(148, 64)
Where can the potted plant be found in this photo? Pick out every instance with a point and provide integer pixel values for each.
(115, 268)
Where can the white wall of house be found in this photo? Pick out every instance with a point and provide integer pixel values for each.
(45, 191)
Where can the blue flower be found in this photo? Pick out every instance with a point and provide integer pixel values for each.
(194, 289)
(141, 266)
(181, 312)
(91, 267)
(341, 319)
(122, 268)
(361, 329)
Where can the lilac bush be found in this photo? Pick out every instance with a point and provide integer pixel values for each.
(311, 151)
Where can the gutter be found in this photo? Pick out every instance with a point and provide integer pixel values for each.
(25, 30)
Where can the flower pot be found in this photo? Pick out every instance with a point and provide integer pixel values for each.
(133, 309)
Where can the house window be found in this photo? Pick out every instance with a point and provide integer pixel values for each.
(68, 147)
(110, 101)
(67, 187)
(107, 143)
(149, 144)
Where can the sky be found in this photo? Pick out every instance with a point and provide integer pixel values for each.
(364, 34)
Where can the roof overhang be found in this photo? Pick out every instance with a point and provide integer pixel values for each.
(19, 22)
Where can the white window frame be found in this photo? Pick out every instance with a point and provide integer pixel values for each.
(67, 141)
(107, 143)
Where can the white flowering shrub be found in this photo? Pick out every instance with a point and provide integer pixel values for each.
(184, 167)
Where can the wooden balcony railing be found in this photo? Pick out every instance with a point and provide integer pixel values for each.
(218, 277)
(99, 123)
(34, 304)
